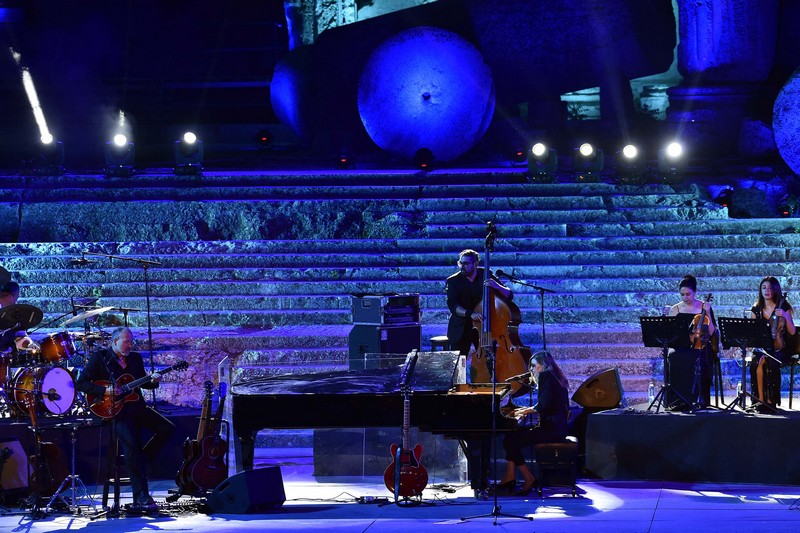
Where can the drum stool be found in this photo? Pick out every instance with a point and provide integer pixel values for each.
(440, 342)
(556, 464)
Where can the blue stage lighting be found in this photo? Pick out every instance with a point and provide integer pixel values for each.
(120, 155)
(542, 163)
(188, 155)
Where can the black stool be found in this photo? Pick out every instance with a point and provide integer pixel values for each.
(793, 362)
(557, 464)
(440, 342)
(115, 460)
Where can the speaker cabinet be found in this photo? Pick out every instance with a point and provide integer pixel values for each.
(382, 340)
(600, 391)
(251, 491)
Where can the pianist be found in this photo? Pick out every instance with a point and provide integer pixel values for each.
(553, 410)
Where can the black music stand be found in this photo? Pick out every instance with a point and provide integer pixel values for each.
(664, 332)
(745, 333)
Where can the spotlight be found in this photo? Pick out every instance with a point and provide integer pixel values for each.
(120, 154)
(423, 159)
(542, 164)
(724, 197)
(672, 162)
(50, 159)
(630, 165)
(188, 155)
(264, 139)
(787, 207)
(518, 156)
(344, 160)
(587, 163)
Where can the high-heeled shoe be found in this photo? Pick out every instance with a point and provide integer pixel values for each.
(506, 487)
(526, 489)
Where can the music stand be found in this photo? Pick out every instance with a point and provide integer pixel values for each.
(664, 332)
(745, 333)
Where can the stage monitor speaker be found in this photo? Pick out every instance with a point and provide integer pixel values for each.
(13, 465)
(251, 491)
(600, 391)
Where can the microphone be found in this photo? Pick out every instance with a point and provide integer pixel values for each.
(82, 261)
(519, 377)
(53, 396)
(501, 274)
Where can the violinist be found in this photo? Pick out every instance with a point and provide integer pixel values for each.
(765, 367)
(464, 291)
(699, 358)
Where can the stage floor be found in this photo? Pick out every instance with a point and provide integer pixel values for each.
(600, 506)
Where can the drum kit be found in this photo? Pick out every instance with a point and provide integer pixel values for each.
(45, 372)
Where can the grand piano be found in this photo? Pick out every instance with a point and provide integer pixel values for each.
(372, 398)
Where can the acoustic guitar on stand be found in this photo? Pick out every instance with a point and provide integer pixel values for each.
(107, 407)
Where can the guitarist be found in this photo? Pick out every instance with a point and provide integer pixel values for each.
(134, 416)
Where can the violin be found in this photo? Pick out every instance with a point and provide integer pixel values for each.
(700, 327)
(777, 325)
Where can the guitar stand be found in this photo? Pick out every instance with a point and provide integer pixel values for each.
(73, 479)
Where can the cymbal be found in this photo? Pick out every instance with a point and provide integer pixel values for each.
(27, 316)
(88, 314)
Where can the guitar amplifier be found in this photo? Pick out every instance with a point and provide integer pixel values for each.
(385, 309)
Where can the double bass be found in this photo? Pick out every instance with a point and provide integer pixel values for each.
(499, 332)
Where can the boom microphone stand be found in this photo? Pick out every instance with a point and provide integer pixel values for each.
(145, 264)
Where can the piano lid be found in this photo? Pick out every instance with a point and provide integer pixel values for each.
(434, 371)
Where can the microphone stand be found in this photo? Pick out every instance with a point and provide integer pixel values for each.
(490, 352)
(146, 264)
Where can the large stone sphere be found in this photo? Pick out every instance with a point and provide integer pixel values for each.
(291, 92)
(786, 122)
(426, 88)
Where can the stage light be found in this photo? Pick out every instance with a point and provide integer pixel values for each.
(542, 163)
(672, 162)
(423, 159)
(264, 139)
(50, 159)
(587, 163)
(518, 156)
(344, 160)
(630, 165)
(120, 155)
(188, 155)
(787, 207)
(724, 197)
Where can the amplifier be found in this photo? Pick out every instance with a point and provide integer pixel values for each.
(386, 309)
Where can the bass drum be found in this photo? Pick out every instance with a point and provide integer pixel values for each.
(52, 390)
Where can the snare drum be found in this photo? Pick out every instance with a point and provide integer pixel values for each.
(53, 390)
(57, 347)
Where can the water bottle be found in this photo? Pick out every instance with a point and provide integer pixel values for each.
(738, 388)
(651, 391)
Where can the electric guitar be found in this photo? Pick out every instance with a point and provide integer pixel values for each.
(107, 407)
(405, 477)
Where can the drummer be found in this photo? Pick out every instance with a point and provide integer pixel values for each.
(14, 339)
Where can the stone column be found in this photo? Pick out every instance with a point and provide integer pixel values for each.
(726, 50)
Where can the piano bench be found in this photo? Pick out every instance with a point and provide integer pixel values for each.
(440, 342)
(556, 464)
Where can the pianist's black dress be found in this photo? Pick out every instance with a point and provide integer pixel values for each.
(553, 409)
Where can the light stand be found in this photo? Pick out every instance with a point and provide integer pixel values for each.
(489, 347)
(743, 333)
(146, 264)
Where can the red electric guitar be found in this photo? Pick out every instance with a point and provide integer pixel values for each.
(406, 477)
(105, 407)
(191, 447)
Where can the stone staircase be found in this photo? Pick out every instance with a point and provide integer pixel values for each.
(260, 266)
